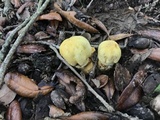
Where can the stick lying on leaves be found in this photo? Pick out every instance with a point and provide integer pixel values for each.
(23, 31)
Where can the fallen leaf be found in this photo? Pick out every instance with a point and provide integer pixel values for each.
(14, 111)
(30, 48)
(6, 95)
(55, 111)
(57, 99)
(100, 81)
(24, 86)
(69, 15)
(151, 84)
(150, 33)
(100, 25)
(119, 36)
(50, 16)
(132, 93)
(153, 53)
(109, 89)
(88, 116)
(121, 77)
(74, 87)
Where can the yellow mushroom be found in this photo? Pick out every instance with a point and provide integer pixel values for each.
(77, 51)
(109, 53)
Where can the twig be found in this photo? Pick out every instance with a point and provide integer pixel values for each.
(6, 61)
(40, 3)
(9, 39)
(89, 4)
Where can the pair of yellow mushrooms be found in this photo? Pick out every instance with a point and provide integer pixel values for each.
(77, 51)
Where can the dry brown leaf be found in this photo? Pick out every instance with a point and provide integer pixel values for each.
(69, 15)
(150, 33)
(57, 99)
(153, 53)
(109, 89)
(30, 48)
(100, 25)
(122, 77)
(119, 36)
(88, 116)
(74, 87)
(24, 86)
(132, 93)
(50, 16)
(55, 111)
(14, 111)
(6, 95)
(100, 81)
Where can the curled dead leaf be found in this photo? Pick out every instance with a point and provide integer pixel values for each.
(29, 49)
(74, 87)
(132, 93)
(70, 16)
(100, 81)
(14, 111)
(6, 95)
(24, 86)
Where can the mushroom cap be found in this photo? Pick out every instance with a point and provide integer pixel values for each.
(76, 50)
(109, 53)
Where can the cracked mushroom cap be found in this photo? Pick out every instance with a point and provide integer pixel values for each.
(77, 51)
(109, 53)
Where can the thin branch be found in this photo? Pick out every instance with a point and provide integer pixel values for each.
(23, 31)
(3, 50)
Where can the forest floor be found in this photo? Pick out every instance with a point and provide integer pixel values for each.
(38, 83)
